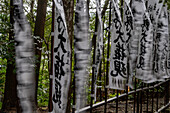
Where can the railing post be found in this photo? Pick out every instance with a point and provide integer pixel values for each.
(126, 107)
(117, 101)
(141, 98)
(167, 90)
(104, 51)
(152, 98)
(137, 102)
(74, 95)
(134, 105)
(100, 78)
(147, 93)
(157, 99)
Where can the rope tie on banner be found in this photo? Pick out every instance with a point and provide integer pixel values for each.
(51, 76)
(94, 66)
(52, 33)
(92, 95)
(99, 86)
(74, 106)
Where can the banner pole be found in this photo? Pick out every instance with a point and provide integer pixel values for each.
(107, 65)
(50, 106)
(93, 67)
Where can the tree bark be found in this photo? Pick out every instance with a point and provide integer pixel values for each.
(10, 101)
(39, 31)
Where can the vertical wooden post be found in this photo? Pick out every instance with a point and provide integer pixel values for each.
(141, 98)
(153, 92)
(100, 78)
(117, 101)
(93, 67)
(157, 98)
(50, 105)
(74, 95)
(147, 93)
(167, 90)
(104, 52)
(107, 65)
(134, 96)
(137, 102)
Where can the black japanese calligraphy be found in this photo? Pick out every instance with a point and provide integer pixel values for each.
(59, 66)
(143, 41)
(128, 24)
(118, 27)
(60, 24)
(62, 40)
(57, 95)
(120, 69)
(61, 37)
(119, 52)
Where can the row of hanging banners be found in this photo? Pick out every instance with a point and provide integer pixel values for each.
(139, 46)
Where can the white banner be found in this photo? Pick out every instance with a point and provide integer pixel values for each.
(99, 44)
(61, 61)
(81, 53)
(24, 59)
(118, 59)
(153, 9)
(145, 55)
(152, 6)
(162, 43)
(142, 42)
(134, 41)
(128, 22)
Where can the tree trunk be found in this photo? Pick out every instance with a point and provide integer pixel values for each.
(10, 102)
(69, 11)
(39, 31)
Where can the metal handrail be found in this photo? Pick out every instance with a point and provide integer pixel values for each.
(163, 107)
(120, 96)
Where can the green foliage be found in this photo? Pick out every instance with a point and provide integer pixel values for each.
(4, 44)
(168, 3)
(3, 64)
(4, 30)
(43, 86)
(113, 95)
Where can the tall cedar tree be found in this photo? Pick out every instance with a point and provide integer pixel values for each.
(39, 31)
(10, 101)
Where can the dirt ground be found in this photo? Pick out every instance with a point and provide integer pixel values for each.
(111, 107)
